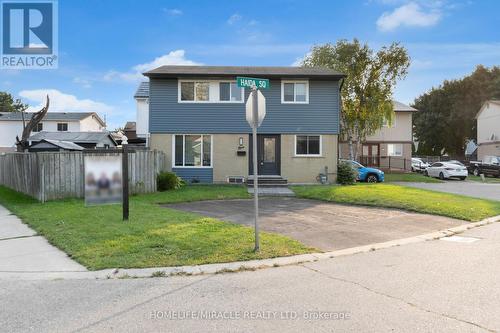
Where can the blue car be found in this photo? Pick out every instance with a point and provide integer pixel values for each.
(366, 174)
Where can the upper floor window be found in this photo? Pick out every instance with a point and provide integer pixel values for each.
(195, 91)
(388, 123)
(210, 91)
(62, 127)
(38, 127)
(230, 92)
(294, 92)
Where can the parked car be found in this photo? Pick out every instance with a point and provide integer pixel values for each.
(366, 174)
(490, 166)
(456, 162)
(418, 165)
(446, 170)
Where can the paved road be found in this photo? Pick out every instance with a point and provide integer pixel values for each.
(21, 250)
(469, 188)
(434, 286)
(323, 225)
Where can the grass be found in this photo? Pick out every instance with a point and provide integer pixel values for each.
(409, 177)
(486, 180)
(402, 197)
(154, 236)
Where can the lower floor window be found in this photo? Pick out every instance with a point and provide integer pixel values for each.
(308, 145)
(193, 150)
(395, 149)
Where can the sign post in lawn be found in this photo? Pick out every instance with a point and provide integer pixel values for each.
(255, 113)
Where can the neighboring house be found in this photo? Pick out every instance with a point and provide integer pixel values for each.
(130, 132)
(142, 103)
(87, 140)
(392, 140)
(11, 125)
(488, 129)
(54, 145)
(197, 117)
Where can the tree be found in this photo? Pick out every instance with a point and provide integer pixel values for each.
(9, 104)
(367, 90)
(446, 117)
(36, 117)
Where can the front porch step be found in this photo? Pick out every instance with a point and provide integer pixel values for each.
(277, 181)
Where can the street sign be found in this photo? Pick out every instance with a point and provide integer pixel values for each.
(261, 109)
(250, 82)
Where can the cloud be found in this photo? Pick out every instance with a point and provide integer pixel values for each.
(234, 18)
(83, 82)
(61, 102)
(173, 11)
(410, 15)
(177, 57)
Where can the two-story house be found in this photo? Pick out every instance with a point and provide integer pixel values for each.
(391, 144)
(197, 117)
(488, 129)
(11, 124)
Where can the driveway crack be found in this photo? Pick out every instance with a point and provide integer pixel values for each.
(413, 305)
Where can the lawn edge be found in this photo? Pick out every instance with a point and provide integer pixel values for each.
(238, 266)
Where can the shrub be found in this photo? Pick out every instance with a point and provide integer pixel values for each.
(345, 174)
(168, 181)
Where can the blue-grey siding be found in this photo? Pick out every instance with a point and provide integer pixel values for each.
(320, 116)
(202, 175)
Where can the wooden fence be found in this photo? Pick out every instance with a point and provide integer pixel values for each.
(57, 175)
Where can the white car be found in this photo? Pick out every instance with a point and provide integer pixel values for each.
(418, 165)
(446, 170)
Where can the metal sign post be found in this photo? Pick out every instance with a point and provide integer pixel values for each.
(255, 118)
(255, 113)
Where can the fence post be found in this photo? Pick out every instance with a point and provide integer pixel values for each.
(404, 163)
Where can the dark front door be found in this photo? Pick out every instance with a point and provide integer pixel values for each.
(268, 154)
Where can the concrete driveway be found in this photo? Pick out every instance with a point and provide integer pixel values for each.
(325, 226)
(470, 188)
(21, 250)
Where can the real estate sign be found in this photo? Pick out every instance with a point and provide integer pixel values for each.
(103, 179)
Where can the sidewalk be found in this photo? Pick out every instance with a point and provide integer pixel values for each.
(21, 250)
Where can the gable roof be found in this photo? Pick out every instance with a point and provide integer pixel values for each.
(80, 137)
(401, 107)
(54, 116)
(265, 71)
(130, 126)
(485, 104)
(142, 90)
(61, 144)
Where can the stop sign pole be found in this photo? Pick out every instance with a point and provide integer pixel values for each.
(255, 113)
(255, 118)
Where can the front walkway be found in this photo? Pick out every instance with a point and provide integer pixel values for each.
(21, 250)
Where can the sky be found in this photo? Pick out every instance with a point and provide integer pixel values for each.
(104, 46)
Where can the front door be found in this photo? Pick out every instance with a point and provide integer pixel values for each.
(370, 154)
(268, 154)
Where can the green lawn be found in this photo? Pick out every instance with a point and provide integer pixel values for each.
(154, 236)
(403, 197)
(409, 177)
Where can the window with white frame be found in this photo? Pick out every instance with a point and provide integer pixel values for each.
(308, 145)
(62, 127)
(192, 150)
(294, 92)
(388, 123)
(230, 92)
(395, 149)
(195, 91)
(38, 127)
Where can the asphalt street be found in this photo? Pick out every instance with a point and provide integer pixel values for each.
(438, 286)
(470, 188)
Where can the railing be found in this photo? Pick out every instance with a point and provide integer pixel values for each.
(386, 162)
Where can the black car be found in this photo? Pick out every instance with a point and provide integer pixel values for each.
(490, 166)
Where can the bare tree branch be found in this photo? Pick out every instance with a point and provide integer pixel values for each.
(22, 143)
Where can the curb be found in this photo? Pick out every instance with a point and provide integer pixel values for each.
(238, 266)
